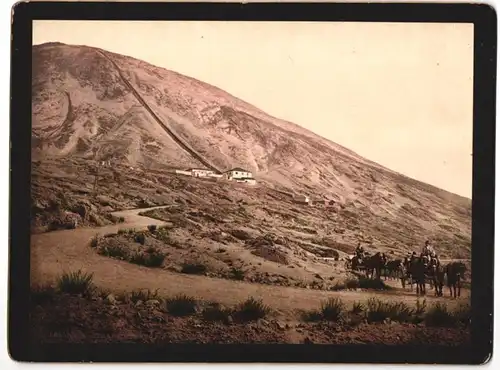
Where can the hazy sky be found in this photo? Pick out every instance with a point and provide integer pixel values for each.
(400, 94)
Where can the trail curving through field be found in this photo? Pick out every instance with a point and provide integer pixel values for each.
(56, 252)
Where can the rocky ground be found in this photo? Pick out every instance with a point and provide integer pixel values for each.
(204, 233)
(214, 212)
(105, 318)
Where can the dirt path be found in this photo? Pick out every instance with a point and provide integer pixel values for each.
(68, 250)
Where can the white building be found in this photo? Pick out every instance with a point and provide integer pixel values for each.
(238, 173)
(200, 172)
(302, 199)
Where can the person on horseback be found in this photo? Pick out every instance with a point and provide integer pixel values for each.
(360, 251)
(413, 256)
(436, 258)
(427, 250)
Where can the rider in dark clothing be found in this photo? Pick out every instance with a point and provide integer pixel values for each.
(360, 250)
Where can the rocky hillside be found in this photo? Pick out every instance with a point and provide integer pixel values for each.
(91, 103)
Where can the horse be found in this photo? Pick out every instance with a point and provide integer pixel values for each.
(417, 274)
(437, 273)
(374, 264)
(394, 268)
(455, 272)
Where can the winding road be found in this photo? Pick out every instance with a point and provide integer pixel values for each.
(56, 252)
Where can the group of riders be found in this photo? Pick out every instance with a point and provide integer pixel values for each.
(428, 256)
(417, 268)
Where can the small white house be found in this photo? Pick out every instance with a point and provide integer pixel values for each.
(200, 172)
(216, 175)
(302, 199)
(246, 181)
(238, 173)
(182, 172)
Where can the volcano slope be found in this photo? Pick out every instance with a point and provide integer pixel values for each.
(90, 105)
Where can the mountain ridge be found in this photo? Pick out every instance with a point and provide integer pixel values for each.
(228, 114)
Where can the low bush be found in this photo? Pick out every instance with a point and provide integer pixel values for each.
(357, 308)
(378, 311)
(237, 274)
(155, 259)
(351, 284)
(144, 295)
(375, 284)
(338, 286)
(193, 268)
(114, 251)
(181, 305)
(251, 310)
(440, 315)
(138, 258)
(152, 228)
(313, 315)
(361, 283)
(140, 238)
(77, 282)
(215, 312)
(463, 314)
(42, 294)
(332, 309)
(94, 242)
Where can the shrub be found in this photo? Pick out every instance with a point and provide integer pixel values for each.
(140, 238)
(94, 242)
(313, 315)
(121, 219)
(220, 250)
(138, 258)
(357, 308)
(352, 284)
(376, 284)
(115, 251)
(463, 314)
(162, 234)
(237, 274)
(338, 286)
(439, 315)
(362, 283)
(332, 309)
(42, 294)
(155, 259)
(144, 295)
(122, 231)
(76, 283)
(181, 305)
(193, 268)
(152, 228)
(378, 311)
(421, 307)
(215, 312)
(252, 309)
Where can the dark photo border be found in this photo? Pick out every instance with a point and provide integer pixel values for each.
(22, 348)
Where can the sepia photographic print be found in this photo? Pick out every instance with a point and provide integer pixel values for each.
(214, 182)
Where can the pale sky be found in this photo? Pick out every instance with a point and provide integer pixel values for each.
(399, 94)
